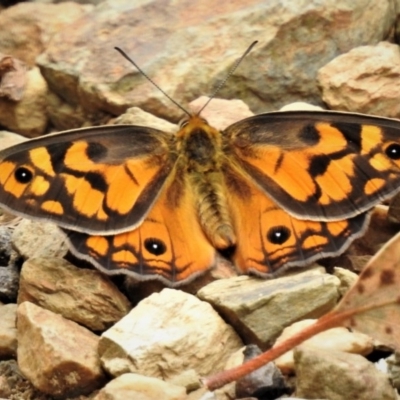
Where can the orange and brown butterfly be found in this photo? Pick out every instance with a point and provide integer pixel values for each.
(278, 190)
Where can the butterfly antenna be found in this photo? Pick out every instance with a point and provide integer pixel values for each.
(230, 73)
(151, 80)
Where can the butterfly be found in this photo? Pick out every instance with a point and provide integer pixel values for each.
(274, 190)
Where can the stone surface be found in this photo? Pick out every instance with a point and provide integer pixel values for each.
(136, 116)
(52, 241)
(365, 80)
(27, 116)
(27, 28)
(166, 334)
(394, 210)
(134, 386)
(8, 139)
(58, 356)
(221, 113)
(266, 382)
(8, 331)
(9, 268)
(251, 304)
(184, 60)
(393, 365)
(340, 339)
(347, 279)
(82, 295)
(336, 375)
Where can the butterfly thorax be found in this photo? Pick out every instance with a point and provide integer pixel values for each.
(199, 146)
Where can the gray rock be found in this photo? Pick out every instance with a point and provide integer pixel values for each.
(260, 309)
(335, 375)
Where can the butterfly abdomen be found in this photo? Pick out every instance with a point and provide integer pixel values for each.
(212, 209)
(200, 147)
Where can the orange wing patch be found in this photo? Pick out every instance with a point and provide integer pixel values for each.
(169, 245)
(269, 239)
(319, 166)
(103, 184)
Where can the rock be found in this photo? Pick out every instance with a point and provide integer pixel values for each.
(346, 277)
(82, 295)
(336, 375)
(8, 139)
(52, 241)
(27, 116)
(8, 331)
(64, 116)
(189, 379)
(67, 363)
(136, 116)
(166, 334)
(9, 270)
(266, 382)
(394, 210)
(365, 80)
(301, 106)
(27, 28)
(134, 386)
(340, 339)
(221, 113)
(185, 62)
(250, 304)
(393, 364)
(13, 77)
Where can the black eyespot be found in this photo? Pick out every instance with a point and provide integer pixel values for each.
(23, 175)
(393, 151)
(278, 234)
(155, 246)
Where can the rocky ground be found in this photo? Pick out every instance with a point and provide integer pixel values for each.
(70, 332)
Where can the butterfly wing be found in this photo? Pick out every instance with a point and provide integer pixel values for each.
(100, 180)
(270, 239)
(319, 165)
(169, 245)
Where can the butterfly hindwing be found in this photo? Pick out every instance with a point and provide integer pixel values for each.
(271, 240)
(169, 245)
(319, 165)
(98, 180)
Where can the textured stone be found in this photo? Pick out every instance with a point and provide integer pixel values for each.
(58, 356)
(166, 334)
(365, 80)
(27, 116)
(335, 375)
(221, 113)
(340, 339)
(8, 331)
(136, 116)
(52, 241)
(183, 58)
(267, 381)
(134, 386)
(82, 295)
(27, 28)
(347, 279)
(8, 139)
(251, 304)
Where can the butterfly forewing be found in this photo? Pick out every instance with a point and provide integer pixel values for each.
(98, 180)
(319, 165)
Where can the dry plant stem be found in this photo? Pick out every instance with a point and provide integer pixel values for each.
(330, 320)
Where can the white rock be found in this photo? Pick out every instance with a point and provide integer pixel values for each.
(165, 334)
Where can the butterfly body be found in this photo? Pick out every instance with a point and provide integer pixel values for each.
(281, 189)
